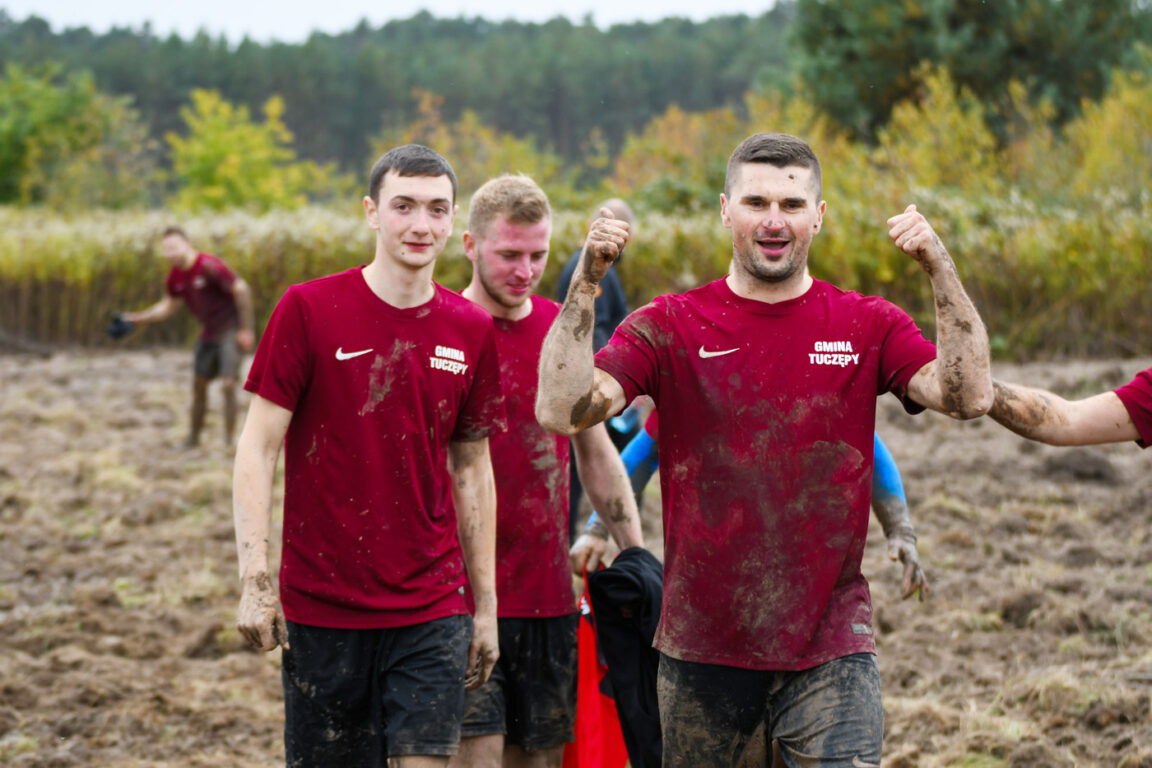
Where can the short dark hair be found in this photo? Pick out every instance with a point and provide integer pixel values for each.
(174, 231)
(778, 149)
(409, 160)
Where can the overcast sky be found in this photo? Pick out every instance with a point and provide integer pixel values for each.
(293, 20)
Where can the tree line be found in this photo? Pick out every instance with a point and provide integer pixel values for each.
(564, 97)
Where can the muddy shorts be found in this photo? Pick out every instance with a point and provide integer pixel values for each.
(830, 715)
(217, 359)
(354, 697)
(531, 696)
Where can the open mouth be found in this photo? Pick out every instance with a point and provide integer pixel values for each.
(773, 246)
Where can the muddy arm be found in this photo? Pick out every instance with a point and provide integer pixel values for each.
(573, 394)
(959, 381)
(474, 495)
(890, 506)
(1044, 416)
(605, 478)
(259, 617)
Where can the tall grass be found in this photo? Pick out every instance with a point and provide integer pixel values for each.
(1049, 281)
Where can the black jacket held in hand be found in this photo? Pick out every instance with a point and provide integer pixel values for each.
(625, 600)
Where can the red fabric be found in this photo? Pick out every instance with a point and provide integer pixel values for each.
(767, 413)
(531, 467)
(376, 394)
(599, 742)
(652, 425)
(206, 287)
(1136, 396)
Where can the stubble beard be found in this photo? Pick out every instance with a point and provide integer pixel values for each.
(770, 272)
(497, 297)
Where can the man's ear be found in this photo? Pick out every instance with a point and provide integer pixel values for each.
(470, 246)
(371, 213)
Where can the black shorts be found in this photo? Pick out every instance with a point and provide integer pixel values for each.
(354, 697)
(531, 696)
(217, 359)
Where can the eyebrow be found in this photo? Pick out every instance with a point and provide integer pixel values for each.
(762, 198)
(409, 199)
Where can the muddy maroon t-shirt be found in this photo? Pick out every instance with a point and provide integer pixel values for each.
(1137, 398)
(376, 394)
(206, 287)
(767, 414)
(533, 575)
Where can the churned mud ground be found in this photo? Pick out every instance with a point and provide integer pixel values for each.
(118, 586)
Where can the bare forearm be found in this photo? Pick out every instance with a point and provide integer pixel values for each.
(604, 477)
(474, 495)
(1044, 416)
(963, 356)
(567, 373)
(252, 508)
(243, 296)
(158, 312)
(569, 397)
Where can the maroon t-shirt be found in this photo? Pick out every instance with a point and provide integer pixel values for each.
(376, 394)
(1137, 398)
(767, 414)
(206, 287)
(533, 575)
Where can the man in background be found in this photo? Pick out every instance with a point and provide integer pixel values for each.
(222, 303)
(526, 712)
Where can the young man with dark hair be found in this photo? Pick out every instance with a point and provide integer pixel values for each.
(766, 384)
(384, 389)
(222, 303)
(525, 713)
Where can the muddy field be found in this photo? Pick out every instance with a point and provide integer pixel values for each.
(118, 586)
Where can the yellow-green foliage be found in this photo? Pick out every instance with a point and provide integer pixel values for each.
(1050, 233)
(478, 152)
(227, 160)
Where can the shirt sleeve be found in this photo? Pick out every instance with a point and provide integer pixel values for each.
(220, 273)
(904, 351)
(483, 411)
(281, 365)
(1136, 396)
(631, 355)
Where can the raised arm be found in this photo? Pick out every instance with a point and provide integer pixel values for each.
(1044, 416)
(474, 495)
(959, 381)
(259, 618)
(242, 293)
(573, 394)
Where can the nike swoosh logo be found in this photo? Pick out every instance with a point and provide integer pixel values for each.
(342, 355)
(704, 353)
